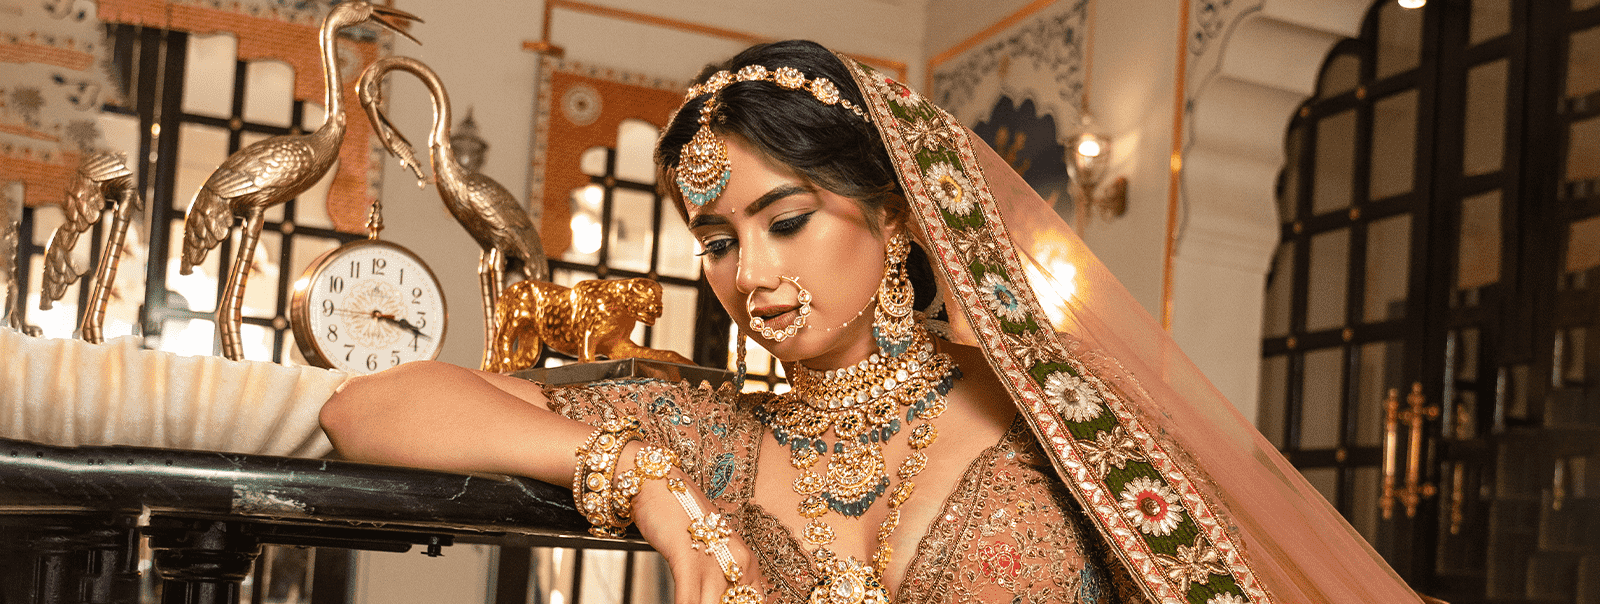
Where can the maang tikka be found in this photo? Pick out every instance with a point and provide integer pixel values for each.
(703, 166)
(892, 322)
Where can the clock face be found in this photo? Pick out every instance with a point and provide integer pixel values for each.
(368, 306)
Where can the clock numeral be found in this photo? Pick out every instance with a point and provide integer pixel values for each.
(422, 319)
(416, 295)
(378, 265)
(327, 307)
(355, 269)
(333, 333)
(402, 276)
(414, 337)
(335, 283)
(372, 361)
(394, 356)
(348, 349)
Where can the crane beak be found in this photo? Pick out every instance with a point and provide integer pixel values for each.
(379, 12)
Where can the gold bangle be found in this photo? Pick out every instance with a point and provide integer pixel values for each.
(592, 477)
(649, 463)
(710, 530)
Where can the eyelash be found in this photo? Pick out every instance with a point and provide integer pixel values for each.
(718, 248)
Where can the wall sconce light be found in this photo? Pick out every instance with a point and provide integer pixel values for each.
(470, 149)
(1413, 3)
(1090, 155)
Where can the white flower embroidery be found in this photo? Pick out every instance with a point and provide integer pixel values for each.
(950, 188)
(1076, 399)
(1227, 599)
(1150, 505)
(998, 293)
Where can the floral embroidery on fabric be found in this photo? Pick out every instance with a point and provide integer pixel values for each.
(1110, 448)
(1036, 347)
(974, 246)
(950, 187)
(997, 292)
(899, 89)
(1077, 400)
(1000, 561)
(930, 135)
(1151, 506)
(1193, 564)
(669, 410)
(1226, 599)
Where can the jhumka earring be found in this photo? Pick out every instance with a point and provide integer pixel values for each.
(704, 169)
(779, 335)
(892, 322)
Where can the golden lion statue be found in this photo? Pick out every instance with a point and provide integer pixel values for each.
(591, 319)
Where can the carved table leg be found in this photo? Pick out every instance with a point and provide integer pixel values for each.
(70, 560)
(202, 563)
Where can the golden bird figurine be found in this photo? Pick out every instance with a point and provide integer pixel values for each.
(270, 172)
(101, 175)
(489, 212)
(10, 295)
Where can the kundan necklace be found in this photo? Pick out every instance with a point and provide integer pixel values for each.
(862, 405)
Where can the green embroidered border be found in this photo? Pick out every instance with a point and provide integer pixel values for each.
(1196, 561)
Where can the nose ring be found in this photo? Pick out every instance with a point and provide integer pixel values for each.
(779, 335)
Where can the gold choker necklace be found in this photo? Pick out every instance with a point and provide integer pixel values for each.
(861, 405)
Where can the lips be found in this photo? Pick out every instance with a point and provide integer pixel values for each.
(775, 316)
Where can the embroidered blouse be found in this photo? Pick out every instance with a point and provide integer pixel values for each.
(1008, 532)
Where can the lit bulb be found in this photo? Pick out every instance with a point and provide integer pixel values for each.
(1089, 147)
(1412, 3)
(593, 195)
(585, 233)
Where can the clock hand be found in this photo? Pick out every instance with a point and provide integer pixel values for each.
(401, 323)
(390, 319)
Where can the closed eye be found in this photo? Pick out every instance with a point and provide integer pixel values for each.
(790, 225)
(716, 248)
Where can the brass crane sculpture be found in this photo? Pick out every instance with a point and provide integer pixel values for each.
(101, 175)
(10, 295)
(270, 172)
(488, 211)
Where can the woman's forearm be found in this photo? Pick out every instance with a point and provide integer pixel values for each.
(440, 416)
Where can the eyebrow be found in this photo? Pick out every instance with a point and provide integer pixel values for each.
(755, 207)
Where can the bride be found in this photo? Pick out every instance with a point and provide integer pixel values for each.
(969, 420)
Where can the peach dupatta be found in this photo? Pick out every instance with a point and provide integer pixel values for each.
(1197, 503)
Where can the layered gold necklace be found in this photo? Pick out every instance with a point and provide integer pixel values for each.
(862, 405)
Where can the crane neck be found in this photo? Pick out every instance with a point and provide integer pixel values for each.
(443, 153)
(333, 81)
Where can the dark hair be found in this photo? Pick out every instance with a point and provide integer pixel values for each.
(828, 145)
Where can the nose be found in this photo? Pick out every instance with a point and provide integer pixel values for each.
(758, 269)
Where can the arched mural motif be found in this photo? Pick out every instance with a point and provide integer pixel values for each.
(1022, 92)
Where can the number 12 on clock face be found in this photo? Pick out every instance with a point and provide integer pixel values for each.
(368, 306)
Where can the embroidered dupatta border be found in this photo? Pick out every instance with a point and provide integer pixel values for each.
(1195, 559)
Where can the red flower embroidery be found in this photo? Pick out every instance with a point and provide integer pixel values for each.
(898, 87)
(1000, 561)
(1151, 506)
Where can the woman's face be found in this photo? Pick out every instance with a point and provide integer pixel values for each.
(770, 222)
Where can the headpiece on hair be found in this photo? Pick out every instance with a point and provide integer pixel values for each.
(703, 167)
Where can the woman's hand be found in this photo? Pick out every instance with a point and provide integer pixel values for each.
(697, 576)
